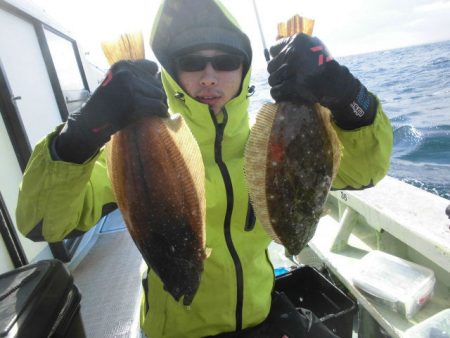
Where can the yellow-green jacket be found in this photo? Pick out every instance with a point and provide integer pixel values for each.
(58, 199)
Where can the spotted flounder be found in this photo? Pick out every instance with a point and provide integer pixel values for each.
(291, 158)
(157, 175)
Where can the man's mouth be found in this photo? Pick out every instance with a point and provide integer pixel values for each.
(208, 99)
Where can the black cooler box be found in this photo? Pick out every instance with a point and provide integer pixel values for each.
(40, 300)
(307, 288)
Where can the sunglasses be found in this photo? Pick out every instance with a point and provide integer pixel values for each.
(196, 63)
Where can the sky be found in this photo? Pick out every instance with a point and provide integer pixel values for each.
(346, 27)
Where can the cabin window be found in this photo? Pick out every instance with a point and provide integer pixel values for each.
(69, 76)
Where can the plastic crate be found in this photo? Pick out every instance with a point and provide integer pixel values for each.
(308, 288)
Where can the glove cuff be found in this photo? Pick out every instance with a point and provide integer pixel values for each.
(358, 113)
(350, 102)
(75, 145)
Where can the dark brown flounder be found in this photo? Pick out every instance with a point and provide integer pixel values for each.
(157, 173)
(291, 158)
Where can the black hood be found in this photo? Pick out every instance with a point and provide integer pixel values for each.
(182, 26)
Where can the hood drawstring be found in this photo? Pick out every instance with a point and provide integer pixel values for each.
(251, 91)
(179, 96)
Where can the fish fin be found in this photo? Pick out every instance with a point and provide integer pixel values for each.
(255, 157)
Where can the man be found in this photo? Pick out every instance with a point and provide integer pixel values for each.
(205, 74)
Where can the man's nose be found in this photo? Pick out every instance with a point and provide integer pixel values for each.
(209, 76)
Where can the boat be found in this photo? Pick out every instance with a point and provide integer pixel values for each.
(393, 217)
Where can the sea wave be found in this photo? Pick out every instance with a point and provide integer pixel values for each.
(413, 85)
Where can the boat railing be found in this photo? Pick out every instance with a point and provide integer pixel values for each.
(396, 218)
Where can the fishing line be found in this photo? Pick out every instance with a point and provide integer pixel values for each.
(266, 51)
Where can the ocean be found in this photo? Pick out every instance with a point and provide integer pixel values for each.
(413, 85)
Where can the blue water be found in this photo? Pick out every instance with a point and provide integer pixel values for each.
(413, 85)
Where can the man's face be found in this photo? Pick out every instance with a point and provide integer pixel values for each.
(211, 86)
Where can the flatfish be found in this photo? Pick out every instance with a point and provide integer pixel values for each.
(291, 158)
(157, 174)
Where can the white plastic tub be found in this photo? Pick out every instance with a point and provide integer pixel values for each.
(402, 285)
(437, 326)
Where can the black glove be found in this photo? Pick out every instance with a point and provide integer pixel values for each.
(303, 70)
(130, 91)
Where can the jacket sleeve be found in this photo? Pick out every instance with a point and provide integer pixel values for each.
(366, 153)
(58, 199)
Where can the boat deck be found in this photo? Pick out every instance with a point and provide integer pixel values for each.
(109, 279)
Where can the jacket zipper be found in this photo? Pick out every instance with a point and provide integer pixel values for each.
(220, 127)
